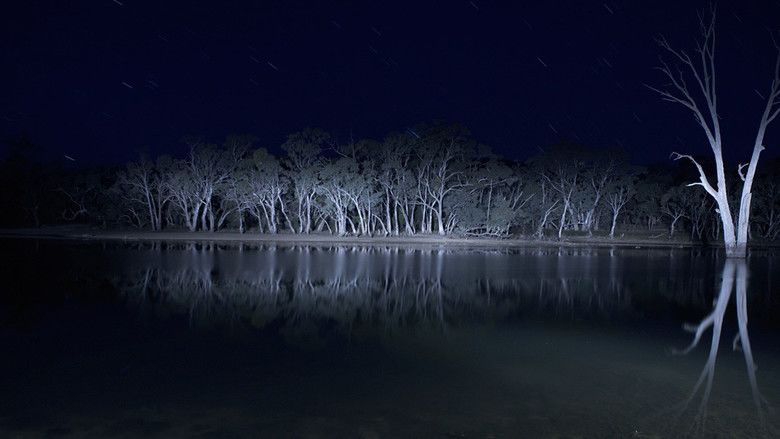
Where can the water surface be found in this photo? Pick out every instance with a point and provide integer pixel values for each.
(106, 339)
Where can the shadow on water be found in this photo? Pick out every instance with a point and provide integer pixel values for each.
(206, 340)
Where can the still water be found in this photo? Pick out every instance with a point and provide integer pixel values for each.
(205, 340)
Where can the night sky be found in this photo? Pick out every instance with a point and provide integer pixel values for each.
(105, 80)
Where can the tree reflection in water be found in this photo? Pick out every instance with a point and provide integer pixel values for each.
(735, 275)
(389, 287)
(308, 293)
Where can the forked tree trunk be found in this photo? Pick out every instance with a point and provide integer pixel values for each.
(735, 234)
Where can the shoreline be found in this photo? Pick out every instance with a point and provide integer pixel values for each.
(90, 234)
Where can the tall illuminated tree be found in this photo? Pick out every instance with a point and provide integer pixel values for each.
(701, 99)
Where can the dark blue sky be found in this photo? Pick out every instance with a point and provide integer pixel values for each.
(103, 80)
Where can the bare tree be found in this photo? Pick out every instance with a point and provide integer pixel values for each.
(77, 205)
(598, 177)
(303, 162)
(141, 184)
(767, 218)
(561, 168)
(702, 70)
(616, 200)
(335, 177)
(183, 194)
(396, 180)
(673, 205)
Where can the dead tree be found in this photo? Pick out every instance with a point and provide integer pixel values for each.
(701, 99)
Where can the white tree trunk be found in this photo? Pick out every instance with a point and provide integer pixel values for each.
(735, 234)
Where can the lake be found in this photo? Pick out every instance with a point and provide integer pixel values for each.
(155, 339)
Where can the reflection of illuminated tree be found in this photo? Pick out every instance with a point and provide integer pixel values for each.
(733, 270)
(384, 287)
(306, 292)
(742, 341)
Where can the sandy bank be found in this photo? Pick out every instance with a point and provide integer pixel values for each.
(86, 233)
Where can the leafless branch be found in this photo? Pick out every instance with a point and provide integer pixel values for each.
(740, 167)
(704, 182)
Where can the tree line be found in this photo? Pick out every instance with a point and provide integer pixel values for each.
(434, 179)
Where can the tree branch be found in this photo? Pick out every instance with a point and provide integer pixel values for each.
(704, 182)
(739, 170)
